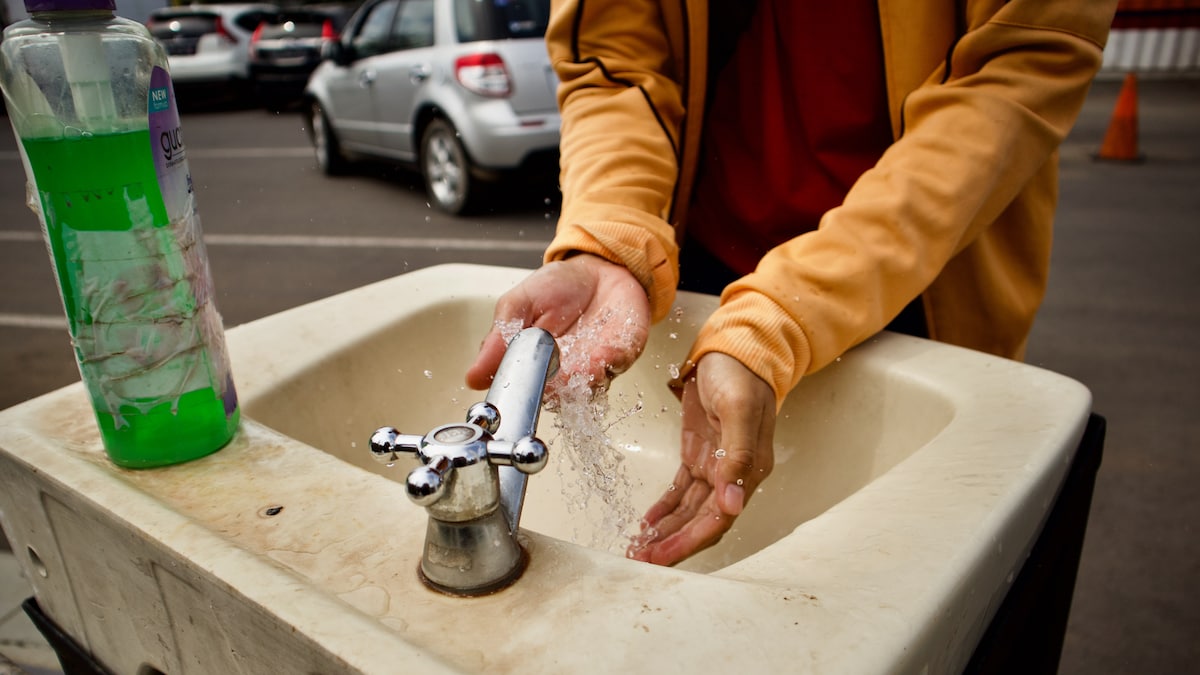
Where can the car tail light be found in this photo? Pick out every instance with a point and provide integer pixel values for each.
(484, 74)
(254, 39)
(327, 31)
(220, 29)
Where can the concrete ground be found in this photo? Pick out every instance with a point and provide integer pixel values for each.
(1120, 317)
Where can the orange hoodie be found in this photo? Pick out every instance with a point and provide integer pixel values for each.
(959, 210)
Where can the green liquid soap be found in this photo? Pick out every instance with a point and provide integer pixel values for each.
(136, 289)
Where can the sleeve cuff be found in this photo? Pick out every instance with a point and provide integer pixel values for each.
(756, 331)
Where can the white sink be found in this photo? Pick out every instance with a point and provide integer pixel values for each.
(911, 480)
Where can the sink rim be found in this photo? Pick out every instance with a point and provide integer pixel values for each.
(891, 605)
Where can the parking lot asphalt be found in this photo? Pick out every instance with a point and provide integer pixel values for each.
(1120, 316)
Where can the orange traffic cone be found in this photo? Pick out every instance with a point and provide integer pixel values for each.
(1121, 139)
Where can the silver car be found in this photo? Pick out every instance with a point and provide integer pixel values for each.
(208, 44)
(461, 89)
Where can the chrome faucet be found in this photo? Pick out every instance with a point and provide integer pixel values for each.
(472, 476)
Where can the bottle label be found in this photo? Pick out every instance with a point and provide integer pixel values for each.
(170, 153)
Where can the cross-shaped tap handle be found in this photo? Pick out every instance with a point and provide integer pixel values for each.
(452, 447)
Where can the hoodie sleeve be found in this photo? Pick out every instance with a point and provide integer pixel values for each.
(622, 111)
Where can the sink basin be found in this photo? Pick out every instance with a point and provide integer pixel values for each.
(911, 480)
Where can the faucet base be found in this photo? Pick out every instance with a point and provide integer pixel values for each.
(471, 558)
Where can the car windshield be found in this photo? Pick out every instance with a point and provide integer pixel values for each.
(501, 19)
(292, 29)
(189, 25)
(300, 24)
(170, 23)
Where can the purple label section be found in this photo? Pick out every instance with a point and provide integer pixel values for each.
(166, 141)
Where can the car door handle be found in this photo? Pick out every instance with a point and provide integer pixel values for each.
(366, 78)
(419, 73)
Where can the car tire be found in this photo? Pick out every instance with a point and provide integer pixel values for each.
(329, 153)
(446, 168)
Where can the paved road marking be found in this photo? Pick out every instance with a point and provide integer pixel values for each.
(33, 321)
(218, 153)
(321, 241)
(249, 153)
(37, 321)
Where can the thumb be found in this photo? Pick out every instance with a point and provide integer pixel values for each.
(491, 351)
(733, 474)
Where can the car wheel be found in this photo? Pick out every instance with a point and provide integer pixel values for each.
(329, 153)
(447, 169)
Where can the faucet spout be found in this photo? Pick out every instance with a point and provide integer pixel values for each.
(472, 476)
(528, 364)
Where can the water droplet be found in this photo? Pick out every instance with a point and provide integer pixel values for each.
(674, 336)
(429, 219)
(429, 374)
(740, 481)
(673, 370)
(719, 454)
(671, 487)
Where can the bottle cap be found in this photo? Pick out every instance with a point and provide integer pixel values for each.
(68, 5)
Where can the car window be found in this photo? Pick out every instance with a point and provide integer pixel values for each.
(249, 20)
(500, 19)
(372, 35)
(414, 25)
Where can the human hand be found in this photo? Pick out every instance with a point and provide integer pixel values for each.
(596, 310)
(727, 451)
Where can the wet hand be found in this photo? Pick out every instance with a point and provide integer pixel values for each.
(727, 451)
(597, 311)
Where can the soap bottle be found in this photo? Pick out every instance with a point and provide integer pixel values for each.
(91, 101)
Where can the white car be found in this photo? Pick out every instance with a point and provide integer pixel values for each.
(461, 89)
(208, 44)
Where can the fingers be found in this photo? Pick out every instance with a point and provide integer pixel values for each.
(491, 351)
(727, 451)
(596, 310)
(691, 501)
(701, 531)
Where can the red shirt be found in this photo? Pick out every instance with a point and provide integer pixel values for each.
(799, 113)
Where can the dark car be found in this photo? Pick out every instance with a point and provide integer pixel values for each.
(286, 47)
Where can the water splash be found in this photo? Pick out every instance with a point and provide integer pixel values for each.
(596, 488)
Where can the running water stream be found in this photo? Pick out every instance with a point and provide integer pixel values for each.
(597, 490)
